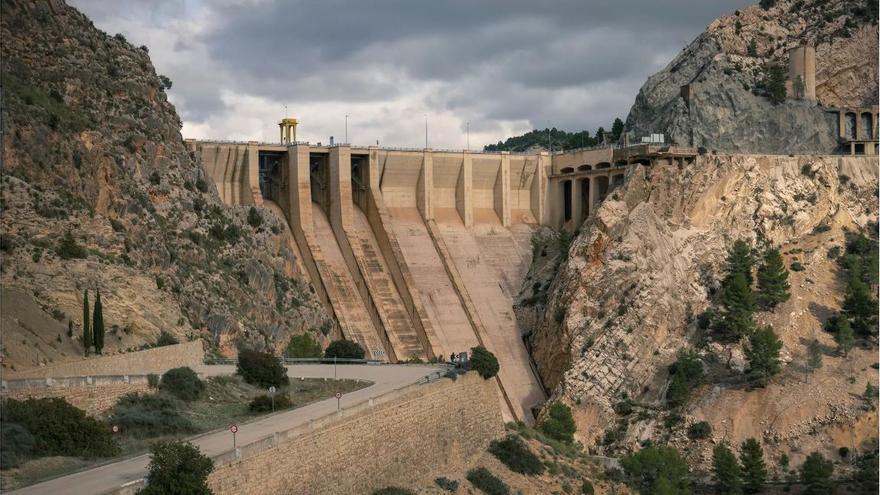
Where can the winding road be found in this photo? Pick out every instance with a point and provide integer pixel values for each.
(385, 378)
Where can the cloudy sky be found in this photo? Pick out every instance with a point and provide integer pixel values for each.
(499, 67)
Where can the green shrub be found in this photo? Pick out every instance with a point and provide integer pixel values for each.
(153, 380)
(587, 488)
(843, 451)
(166, 338)
(559, 423)
(687, 374)
(150, 415)
(698, 431)
(393, 490)
(447, 484)
(263, 403)
(484, 362)
(59, 428)
(515, 454)
(182, 383)
(16, 444)
(657, 470)
(796, 266)
(344, 349)
(177, 467)
(303, 346)
(261, 369)
(254, 218)
(486, 482)
(68, 248)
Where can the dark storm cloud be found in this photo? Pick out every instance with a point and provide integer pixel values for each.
(492, 63)
(333, 50)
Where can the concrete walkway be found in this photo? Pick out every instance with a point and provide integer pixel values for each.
(385, 378)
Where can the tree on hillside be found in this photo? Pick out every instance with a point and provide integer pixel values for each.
(559, 423)
(303, 346)
(87, 329)
(98, 324)
(738, 306)
(657, 470)
(773, 286)
(616, 129)
(844, 336)
(686, 375)
(344, 349)
(860, 307)
(726, 470)
(762, 354)
(177, 467)
(754, 471)
(484, 362)
(816, 474)
(767, 4)
(740, 260)
(814, 355)
(774, 83)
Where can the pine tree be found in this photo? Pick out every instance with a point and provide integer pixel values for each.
(98, 324)
(844, 336)
(816, 474)
(773, 286)
(763, 354)
(740, 260)
(738, 305)
(727, 473)
(754, 471)
(87, 330)
(814, 355)
(860, 307)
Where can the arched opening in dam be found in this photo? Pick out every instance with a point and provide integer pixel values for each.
(566, 201)
(584, 199)
(270, 166)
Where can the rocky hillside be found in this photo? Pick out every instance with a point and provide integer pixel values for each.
(624, 304)
(725, 65)
(92, 148)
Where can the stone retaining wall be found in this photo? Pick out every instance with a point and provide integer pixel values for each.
(156, 360)
(390, 440)
(94, 395)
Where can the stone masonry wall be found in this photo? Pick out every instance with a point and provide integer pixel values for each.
(155, 360)
(425, 427)
(94, 396)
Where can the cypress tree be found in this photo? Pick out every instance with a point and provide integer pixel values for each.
(87, 331)
(727, 473)
(739, 260)
(98, 324)
(763, 354)
(773, 283)
(754, 470)
(816, 474)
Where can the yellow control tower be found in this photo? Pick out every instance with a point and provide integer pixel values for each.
(288, 130)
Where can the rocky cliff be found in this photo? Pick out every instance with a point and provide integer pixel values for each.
(723, 69)
(622, 306)
(92, 147)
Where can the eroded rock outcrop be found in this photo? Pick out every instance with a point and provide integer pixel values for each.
(622, 306)
(723, 111)
(92, 146)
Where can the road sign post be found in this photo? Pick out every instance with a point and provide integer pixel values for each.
(272, 395)
(338, 398)
(234, 430)
(334, 367)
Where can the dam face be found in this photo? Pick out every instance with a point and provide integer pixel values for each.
(419, 253)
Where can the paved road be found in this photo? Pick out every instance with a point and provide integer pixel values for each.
(386, 378)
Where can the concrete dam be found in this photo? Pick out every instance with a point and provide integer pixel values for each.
(421, 253)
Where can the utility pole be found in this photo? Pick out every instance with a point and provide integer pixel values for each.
(549, 139)
(346, 128)
(426, 131)
(468, 136)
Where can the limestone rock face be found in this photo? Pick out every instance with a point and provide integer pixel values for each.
(723, 111)
(92, 146)
(622, 306)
